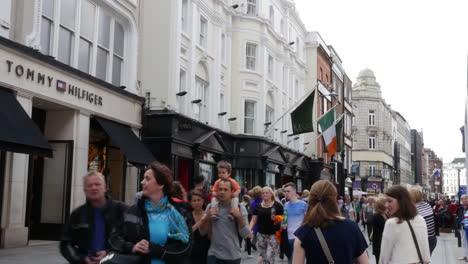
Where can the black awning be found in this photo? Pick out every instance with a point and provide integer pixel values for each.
(18, 133)
(127, 141)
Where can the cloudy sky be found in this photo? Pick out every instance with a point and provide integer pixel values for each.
(417, 50)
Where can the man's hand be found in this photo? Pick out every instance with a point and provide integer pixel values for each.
(141, 247)
(89, 261)
(212, 211)
(284, 227)
(99, 255)
(235, 212)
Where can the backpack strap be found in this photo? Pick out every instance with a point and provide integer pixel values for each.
(323, 244)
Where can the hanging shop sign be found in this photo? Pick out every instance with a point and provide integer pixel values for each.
(61, 86)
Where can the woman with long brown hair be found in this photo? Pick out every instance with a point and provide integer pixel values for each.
(404, 238)
(342, 237)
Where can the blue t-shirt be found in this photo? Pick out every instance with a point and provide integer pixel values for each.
(98, 241)
(345, 241)
(296, 212)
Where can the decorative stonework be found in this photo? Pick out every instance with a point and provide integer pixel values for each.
(33, 40)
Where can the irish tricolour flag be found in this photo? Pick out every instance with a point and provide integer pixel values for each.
(327, 125)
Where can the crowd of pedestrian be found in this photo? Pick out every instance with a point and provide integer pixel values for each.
(168, 224)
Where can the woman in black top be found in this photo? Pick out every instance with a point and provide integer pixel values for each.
(201, 243)
(265, 214)
(378, 224)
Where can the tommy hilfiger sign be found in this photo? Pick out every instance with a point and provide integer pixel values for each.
(61, 86)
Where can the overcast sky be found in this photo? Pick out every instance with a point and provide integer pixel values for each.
(417, 50)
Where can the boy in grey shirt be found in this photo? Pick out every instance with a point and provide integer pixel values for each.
(224, 232)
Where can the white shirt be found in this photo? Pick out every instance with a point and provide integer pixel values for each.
(397, 242)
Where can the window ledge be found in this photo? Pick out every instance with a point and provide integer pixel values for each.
(250, 71)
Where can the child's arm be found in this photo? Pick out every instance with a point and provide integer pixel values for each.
(236, 193)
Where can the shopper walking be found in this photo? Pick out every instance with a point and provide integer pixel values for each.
(257, 199)
(378, 224)
(347, 210)
(154, 228)
(425, 210)
(294, 212)
(342, 237)
(462, 211)
(224, 247)
(367, 215)
(265, 214)
(201, 242)
(404, 239)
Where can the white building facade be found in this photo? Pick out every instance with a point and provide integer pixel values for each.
(454, 174)
(69, 68)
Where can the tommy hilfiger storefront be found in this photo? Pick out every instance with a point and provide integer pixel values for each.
(192, 149)
(56, 124)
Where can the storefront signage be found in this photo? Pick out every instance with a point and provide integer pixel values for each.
(61, 86)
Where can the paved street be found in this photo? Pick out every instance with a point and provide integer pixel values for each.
(446, 252)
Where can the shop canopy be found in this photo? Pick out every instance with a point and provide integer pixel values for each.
(127, 141)
(18, 133)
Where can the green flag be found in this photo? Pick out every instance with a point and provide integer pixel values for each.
(301, 117)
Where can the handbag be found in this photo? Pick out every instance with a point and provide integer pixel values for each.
(323, 244)
(117, 258)
(415, 242)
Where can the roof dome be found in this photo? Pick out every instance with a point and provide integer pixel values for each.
(366, 73)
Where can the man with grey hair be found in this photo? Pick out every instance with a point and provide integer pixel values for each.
(86, 234)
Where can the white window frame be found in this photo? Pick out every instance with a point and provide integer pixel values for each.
(251, 7)
(222, 107)
(269, 113)
(270, 67)
(371, 142)
(202, 92)
(372, 170)
(203, 32)
(184, 16)
(77, 36)
(296, 89)
(251, 57)
(271, 16)
(182, 87)
(371, 118)
(223, 48)
(252, 118)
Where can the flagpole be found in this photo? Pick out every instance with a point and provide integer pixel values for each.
(291, 108)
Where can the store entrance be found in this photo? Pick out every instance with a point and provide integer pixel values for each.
(49, 186)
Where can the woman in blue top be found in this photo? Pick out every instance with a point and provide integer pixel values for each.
(343, 236)
(153, 227)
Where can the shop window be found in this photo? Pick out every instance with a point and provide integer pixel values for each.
(108, 159)
(100, 53)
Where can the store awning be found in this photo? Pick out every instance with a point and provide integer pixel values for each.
(18, 133)
(127, 141)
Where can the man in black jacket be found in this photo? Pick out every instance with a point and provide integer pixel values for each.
(86, 234)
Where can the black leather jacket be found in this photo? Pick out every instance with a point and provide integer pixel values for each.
(135, 228)
(77, 235)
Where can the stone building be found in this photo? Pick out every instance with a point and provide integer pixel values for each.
(70, 102)
(402, 151)
(454, 177)
(374, 133)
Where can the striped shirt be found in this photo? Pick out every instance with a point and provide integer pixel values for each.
(425, 210)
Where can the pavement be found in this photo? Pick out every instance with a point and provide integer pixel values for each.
(46, 252)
